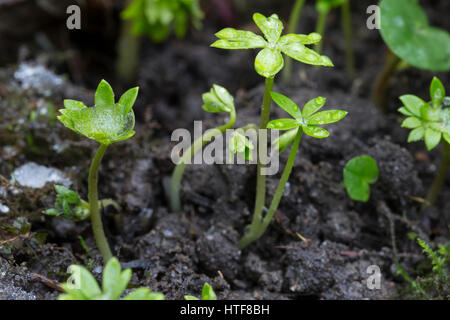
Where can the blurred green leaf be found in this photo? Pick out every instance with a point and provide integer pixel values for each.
(359, 172)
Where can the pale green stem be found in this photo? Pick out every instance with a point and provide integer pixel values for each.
(441, 174)
(260, 224)
(347, 26)
(96, 220)
(320, 29)
(128, 48)
(292, 28)
(177, 175)
(260, 178)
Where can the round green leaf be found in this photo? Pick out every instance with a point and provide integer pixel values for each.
(359, 172)
(405, 29)
(269, 62)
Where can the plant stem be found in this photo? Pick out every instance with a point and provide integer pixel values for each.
(128, 48)
(441, 174)
(292, 27)
(381, 85)
(96, 220)
(261, 179)
(177, 175)
(259, 224)
(347, 26)
(320, 29)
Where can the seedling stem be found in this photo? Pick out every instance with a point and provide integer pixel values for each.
(96, 220)
(177, 175)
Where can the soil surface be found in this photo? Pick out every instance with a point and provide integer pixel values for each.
(320, 243)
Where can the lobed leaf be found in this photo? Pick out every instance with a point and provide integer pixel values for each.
(271, 27)
(269, 62)
(104, 96)
(129, 98)
(287, 105)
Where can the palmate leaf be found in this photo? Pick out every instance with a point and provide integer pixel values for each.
(106, 122)
(270, 61)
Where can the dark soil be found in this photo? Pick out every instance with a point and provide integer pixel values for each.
(320, 243)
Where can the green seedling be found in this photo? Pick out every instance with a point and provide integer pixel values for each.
(434, 284)
(268, 63)
(324, 7)
(107, 122)
(359, 174)
(406, 31)
(207, 294)
(217, 100)
(430, 122)
(239, 144)
(69, 205)
(82, 285)
(155, 19)
(303, 121)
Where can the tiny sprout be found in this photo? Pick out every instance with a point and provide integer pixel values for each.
(241, 145)
(83, 286)
(207, 294)
(106, 122)
(269, 61)
(218, 99)
(359, 173)
(431, 122)
(307, 121)
(68, 205)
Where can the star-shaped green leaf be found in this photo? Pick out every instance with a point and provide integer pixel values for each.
(428, 121)
(270, 61)
(308, 119)
(106, 122)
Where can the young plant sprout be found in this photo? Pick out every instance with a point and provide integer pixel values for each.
(156, 19)
(107, 122)
(217, 100)
(431, 122)
(207, 294)
(324, 7)
(69, 205)
(359, 174)
(303, 121)
(83, 286)
(410, 38)
(268, 63)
